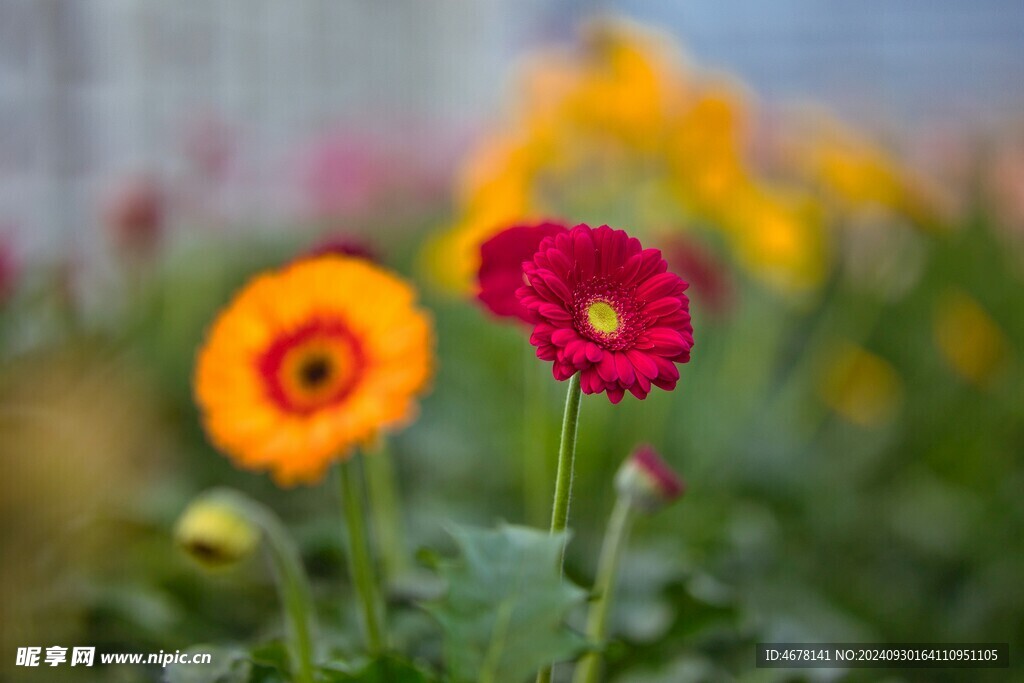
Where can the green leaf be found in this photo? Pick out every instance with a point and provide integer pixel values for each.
(503, 614)
(384, 669)
(227, 665)
(270, 662)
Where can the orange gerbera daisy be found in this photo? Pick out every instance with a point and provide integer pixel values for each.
(309, 361)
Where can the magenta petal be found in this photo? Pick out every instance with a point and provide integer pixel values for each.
(643, 382)
(590, 381)
(638, 392)
(554, 312)
(606, 368)
(556, 285)
(666, 341)
(658, 286)
(615, 394)
(594, 352)
(583, 252)
(643, 364)
(663, 306)
(631, 268)
(666, 368)
(562, 336)
(624, 368)
(560, 262)
(650, 265)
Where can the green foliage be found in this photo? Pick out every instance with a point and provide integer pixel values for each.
(384, 669)
(227, 665)
(503, 614)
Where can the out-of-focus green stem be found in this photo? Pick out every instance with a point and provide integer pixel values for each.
(604, 585)
(292, 583)
(386, 511)
(563, 478)
(359, 560)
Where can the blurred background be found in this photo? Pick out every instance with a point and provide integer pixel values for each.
(841, 183)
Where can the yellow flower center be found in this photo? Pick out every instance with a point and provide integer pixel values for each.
(603, 317)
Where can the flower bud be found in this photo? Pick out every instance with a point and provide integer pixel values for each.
(341, 245)
(647, 482)
(215, 533)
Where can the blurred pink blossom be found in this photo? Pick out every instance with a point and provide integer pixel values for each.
(134, 212)
(343, 173)
(10, 268)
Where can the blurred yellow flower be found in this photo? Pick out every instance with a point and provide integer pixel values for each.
(215, 533)
(309, 361)
(860, 386)
(970, 341)
(855, 173)
(779, 237)
(618, 130)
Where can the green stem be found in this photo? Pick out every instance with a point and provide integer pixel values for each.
(360, 564)
(385, 512)
(566, 459)
(292, 584)
(563, 478)
(604, 585)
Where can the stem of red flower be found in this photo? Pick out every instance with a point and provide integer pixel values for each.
(563, 479)
(604, 584)
(359, 560)
(566, 460)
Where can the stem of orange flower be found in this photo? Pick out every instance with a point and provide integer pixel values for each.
(385, 510)
(604, 584)
(359, 560)
(563, 478)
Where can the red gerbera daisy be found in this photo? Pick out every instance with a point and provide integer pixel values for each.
(608, 309)
(501, 267)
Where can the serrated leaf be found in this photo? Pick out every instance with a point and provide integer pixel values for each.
(504, 610)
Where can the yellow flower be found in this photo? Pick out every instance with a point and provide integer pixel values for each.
(971, 342)
(856, 173)
(780, 238)
(705, 154)
(618, 130)
(308, 362)
(860, 386)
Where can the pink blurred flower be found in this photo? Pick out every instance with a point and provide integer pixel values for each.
(342, 174)
(9, 270)
(134, 213)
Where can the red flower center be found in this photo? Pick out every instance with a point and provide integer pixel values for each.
(312, 367)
